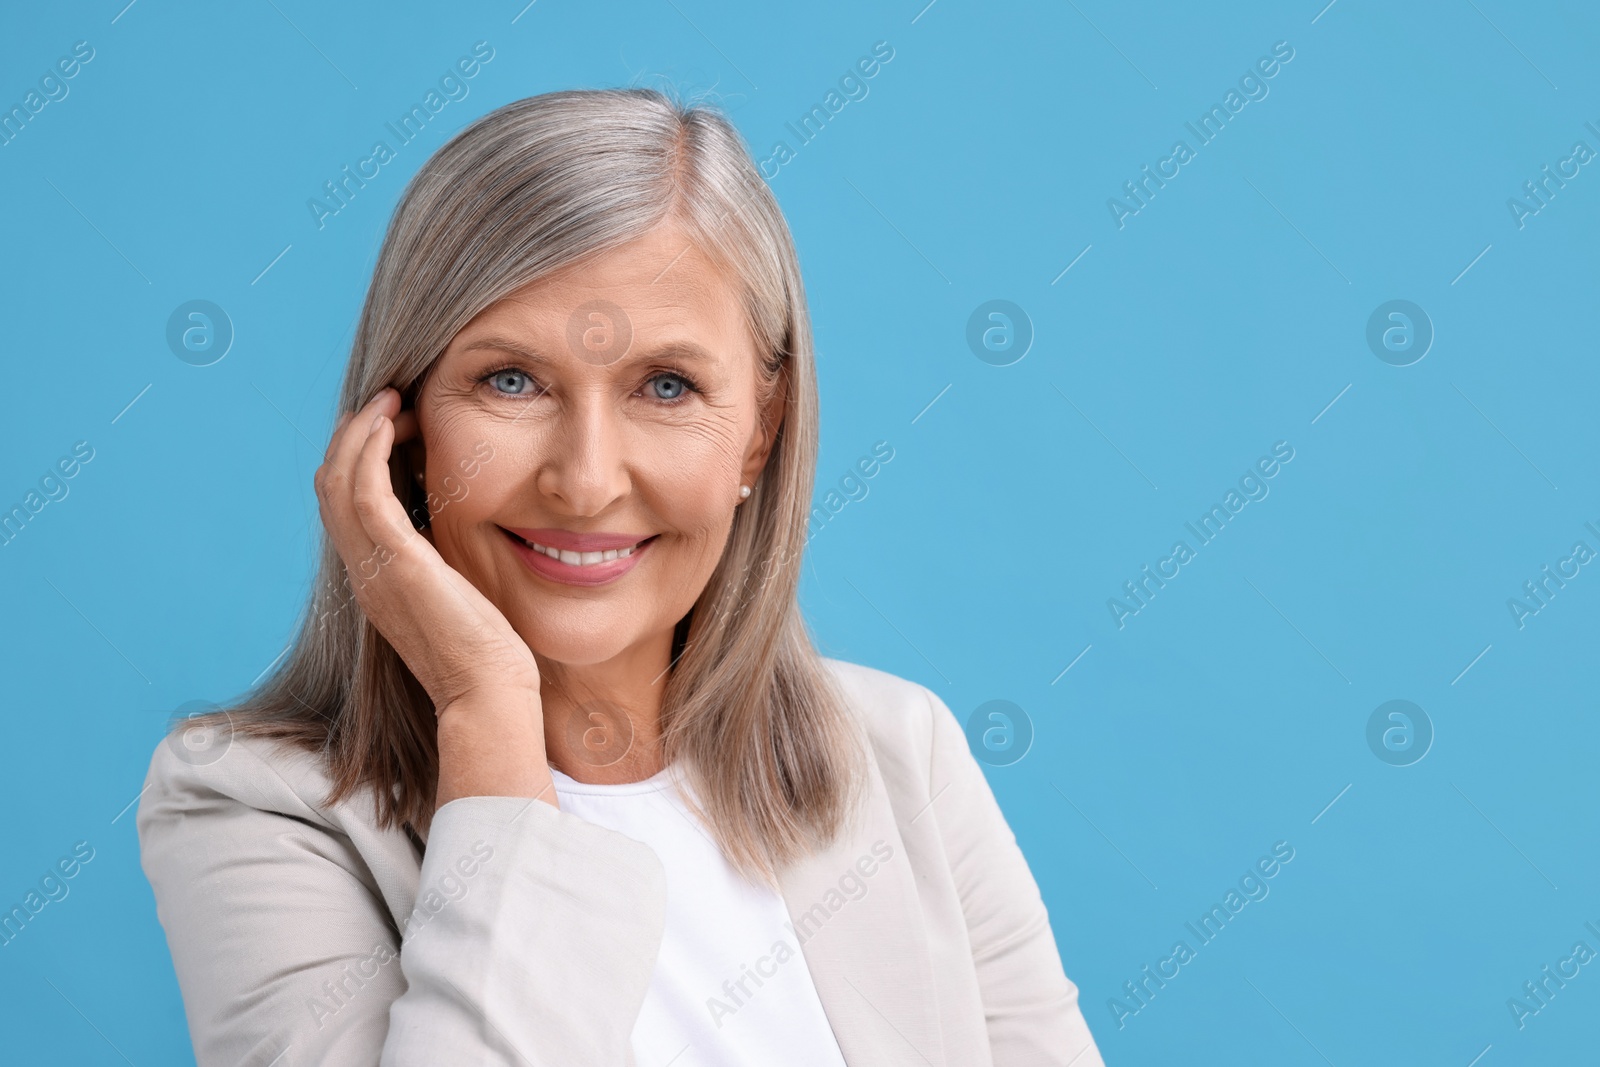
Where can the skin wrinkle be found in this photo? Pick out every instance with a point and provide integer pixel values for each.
(586, 447)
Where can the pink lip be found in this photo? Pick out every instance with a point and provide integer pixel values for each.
(566, 574)
(565, 540)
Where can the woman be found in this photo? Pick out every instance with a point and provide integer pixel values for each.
(552, 773)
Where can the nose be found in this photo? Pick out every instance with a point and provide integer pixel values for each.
(583, 462)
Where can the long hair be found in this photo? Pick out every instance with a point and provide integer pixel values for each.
(749, 709)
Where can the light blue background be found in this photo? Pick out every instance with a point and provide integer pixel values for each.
(1224, 317)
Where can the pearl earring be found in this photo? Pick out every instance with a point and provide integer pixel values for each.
(744, 491)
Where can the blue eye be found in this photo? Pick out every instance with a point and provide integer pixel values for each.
(511, 382)
(676, 386)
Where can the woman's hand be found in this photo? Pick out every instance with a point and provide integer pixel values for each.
(479, 672)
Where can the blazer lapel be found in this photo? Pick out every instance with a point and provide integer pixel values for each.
(867, 951)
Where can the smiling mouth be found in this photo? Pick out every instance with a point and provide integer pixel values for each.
(580, 559)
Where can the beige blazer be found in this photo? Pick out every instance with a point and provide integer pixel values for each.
(521, 934)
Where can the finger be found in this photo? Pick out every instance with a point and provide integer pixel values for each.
(380, 512)
(335, 484)
(349, 436)
(387, 401)
(345, 531)
(348, 424)
(333, 438)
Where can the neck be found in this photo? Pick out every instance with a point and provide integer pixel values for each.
(602, 721)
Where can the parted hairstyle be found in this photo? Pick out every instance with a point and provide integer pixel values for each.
(749, 708)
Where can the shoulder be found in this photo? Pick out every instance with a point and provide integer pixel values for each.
(196, 770)
(882, 697)
(903, 719)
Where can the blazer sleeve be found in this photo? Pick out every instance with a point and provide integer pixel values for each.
(1030, 1005)
(532, 941)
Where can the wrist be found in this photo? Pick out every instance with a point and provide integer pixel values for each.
(493, 747)
(506, 707)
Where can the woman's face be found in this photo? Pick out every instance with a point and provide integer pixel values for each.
(611, 405)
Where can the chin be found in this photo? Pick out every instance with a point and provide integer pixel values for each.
(576, 645)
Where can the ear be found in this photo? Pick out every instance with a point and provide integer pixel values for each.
(766, 435)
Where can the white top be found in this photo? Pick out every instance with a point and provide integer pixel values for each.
(730, 986)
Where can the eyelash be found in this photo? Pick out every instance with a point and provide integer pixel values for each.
(689, 384)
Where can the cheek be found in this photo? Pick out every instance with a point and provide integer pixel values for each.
(472, 471)
(688, 477)
(453, 437)
(462, 528)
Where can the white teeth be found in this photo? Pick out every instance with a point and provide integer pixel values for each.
(582, 559)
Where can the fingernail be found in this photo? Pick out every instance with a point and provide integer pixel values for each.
(377, 420)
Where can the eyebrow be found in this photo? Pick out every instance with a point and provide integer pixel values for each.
(672, 351)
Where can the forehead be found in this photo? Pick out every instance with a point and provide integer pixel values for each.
(661, 283)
